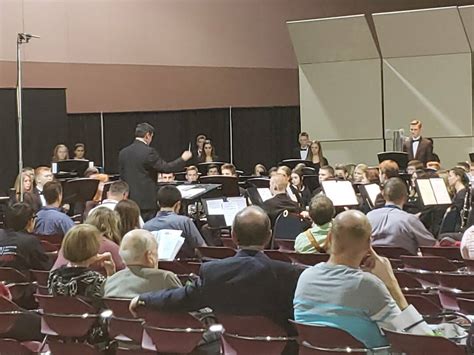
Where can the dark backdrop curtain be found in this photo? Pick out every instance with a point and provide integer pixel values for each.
(264, 135)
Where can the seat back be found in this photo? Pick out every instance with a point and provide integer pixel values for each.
(428, 263)
(411, 344)
(285, 244)
(450, 253)
(228, 243)
(309, 259)
(170, 332)
(277, 255)
(423, 305)
(123, 326)
(287, 226)
(55, 239)
(463, 282)
(313, 339)
(390, 252)
(466, 305)
(9, 313)
(11, 275)
(215, 252)
(252, 335)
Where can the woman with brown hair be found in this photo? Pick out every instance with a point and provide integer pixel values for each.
(60, 152)
(108, 223)
(129, 214)
(315, 154)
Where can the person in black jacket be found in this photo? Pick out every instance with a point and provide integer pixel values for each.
(139, 164)
(249, 283)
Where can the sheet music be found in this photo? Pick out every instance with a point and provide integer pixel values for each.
(440, 191)
(190, 193)
(183, 187)
(373, 191)
(169, 242)
(265, 193)
(426, 192)
(341, 193)
(214, 207)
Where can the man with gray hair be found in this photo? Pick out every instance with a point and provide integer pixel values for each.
(139, 251)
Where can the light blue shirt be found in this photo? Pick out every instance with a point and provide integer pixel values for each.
(51, 221)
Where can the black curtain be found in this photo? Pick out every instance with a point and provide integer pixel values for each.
(264, 135)
(44, 126)
(174, 130)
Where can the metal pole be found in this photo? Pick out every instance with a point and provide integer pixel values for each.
(230, 137)
(19, 113)
(102, 139)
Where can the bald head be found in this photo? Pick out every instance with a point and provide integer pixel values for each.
(350, 233)
(251, 227)
(139, 247)
(278, 184)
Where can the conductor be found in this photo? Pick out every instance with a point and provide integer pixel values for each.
(139, 164)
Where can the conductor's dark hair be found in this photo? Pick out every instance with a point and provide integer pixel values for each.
(168, 195)
(18, 215)
(143, 128)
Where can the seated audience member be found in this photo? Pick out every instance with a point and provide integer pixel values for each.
(192, 175)
(50, 220)
(391, 226)
(81, 247)
(169, 200)
(166, 178)
(414, 165)
(340, 172)
(298, 183)
(60, 152)
(43, 175)
(321, 211)
(280, 200)
(18, 248)
(339, 294)
(433, 165)
(249, 283)
(260, 170)
(209, 154)
(212, 169)
(315, 154)
(108, 224)
(360, 174)
(79, 151)
(139, 251)
(129, 215)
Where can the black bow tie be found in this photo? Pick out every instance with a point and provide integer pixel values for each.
(416, 139)
(305, 149)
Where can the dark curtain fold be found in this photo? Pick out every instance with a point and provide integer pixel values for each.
(264, 135)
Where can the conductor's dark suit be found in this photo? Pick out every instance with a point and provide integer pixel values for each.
(249, 283)
(139, 165)
(424, 153)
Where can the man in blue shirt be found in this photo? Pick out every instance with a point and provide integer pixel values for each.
(50, 220)
(169, 200)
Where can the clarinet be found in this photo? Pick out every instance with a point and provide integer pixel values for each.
(466, 207)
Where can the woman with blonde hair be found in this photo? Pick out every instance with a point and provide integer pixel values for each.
(108, 223)
(60, 152)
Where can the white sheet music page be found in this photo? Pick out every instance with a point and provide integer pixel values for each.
(233, 206)
(440, 191)
(426, 192)
(169, 242)
(341, 193)
(214, 207)
(265, 193)
(373, 191)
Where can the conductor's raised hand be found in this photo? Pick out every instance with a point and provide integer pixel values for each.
(186, 155)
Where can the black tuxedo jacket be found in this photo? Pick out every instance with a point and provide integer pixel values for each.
(249, 283)
(277, 204)
(296, 153)
(139, 165)
(424, 153)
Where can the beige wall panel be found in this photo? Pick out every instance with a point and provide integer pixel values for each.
(341, 100)
(10, 25)
(434, 89)
(453, 150)
(346, 152)
(421, 32)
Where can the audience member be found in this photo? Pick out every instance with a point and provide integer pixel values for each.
(302, 151)
(129, 214)
(280, 200)
(60, 152)
(209, 153)
(169, 200)
(192, 174)
(260, 170)
(249, 283)
(467, 244)
(81, 247)
(313, 240)
(340, 172)
(417, 147)
(315, 154)
(391, 226)
(79, 151)
(18, 248)
(139, 251)
(108, 224)
(166, 178)
(50, 219)
(339, 294)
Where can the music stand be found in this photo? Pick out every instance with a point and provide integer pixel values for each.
(202, 167)
(72, 166)
(105, 190)
(471, 157)
(258, 195)
(369, 193)
(433, 192)
(291, 163)
(79, 190)
(311, 182)
(230, 184)
(258, 182)
(340, 192)
(401, 158)
(221, 212)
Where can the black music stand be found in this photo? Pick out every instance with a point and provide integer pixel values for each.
(230, 184)
(202, 167)
(401, 158)
(79, 190)
(291, 163)
(471, 157)
(73, 166)
(258, 182)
